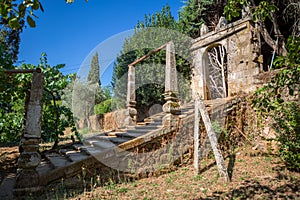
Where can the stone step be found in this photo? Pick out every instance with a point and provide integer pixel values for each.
(91, 150)
(113, 134)
(77, 146)
(75, 156)
(44, 167)
(139, 131)
(156, 123)
(102, 143)
(119, 140)
(58, 161)
(148, 127)
(129, 135)
(142, 124)
(154, 118)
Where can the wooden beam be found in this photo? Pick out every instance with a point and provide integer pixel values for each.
(148, 55)
(22, 71)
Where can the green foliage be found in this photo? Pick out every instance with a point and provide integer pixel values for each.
(288, 127)
(103, 107)
(13, 13)
(264, 10)
(272, 100)
(11, 121)
(234, 8)
(217, 127)
(107, 101)
(9, 42)
(191, 17)
(94, 73)
(56, 116)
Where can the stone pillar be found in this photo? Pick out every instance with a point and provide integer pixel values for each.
(171, 107)
(27, 176)
(131, 103)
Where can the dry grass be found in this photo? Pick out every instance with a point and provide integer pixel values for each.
(254, 176)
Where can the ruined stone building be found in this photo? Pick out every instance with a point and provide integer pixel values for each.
(233, 48)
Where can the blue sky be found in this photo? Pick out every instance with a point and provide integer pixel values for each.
(68, 33)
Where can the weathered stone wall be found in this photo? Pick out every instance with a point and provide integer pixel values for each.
(115, 120)
(97, 122)
(242, 44)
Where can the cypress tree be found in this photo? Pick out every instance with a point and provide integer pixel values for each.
(94, 73)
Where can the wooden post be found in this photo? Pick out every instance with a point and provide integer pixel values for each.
(213, 139)
(27, 176)
(196, 140)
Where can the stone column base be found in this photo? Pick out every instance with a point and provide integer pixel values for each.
(131, 114)
(27, 179)
(170, 120)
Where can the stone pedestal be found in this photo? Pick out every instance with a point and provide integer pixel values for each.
(171, 108)
(131, 114)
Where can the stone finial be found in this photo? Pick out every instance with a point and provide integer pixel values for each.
(245, 11)
(203, 29)
(222, 23)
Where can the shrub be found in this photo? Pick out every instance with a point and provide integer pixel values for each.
(103, 107)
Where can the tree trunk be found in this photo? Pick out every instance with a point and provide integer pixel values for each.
(281, 45)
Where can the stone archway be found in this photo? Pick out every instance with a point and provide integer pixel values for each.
(243, 59)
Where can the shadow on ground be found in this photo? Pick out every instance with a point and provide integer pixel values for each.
(252, 189)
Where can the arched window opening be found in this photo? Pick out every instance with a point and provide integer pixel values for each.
(216, 73)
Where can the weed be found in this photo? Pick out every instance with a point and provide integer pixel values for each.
(198, 178)
(215, 179)
(111, 185)
(122, 190)
(204, 191)
(156, 185)
(170, 178)
(268, 158)
(134, 184)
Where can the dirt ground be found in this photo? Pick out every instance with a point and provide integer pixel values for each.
(253, 176)
(8, 161)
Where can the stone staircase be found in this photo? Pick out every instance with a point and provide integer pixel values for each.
(68, 161)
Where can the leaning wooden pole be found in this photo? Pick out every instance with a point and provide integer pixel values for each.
(212, 138)
(196, 140)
